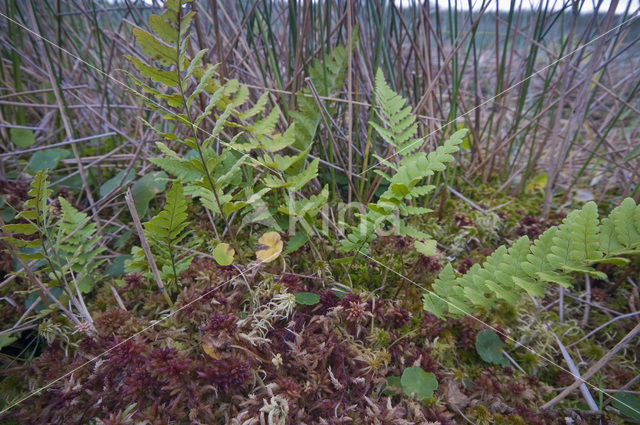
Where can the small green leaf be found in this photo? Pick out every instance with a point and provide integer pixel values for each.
(616, 261)
(22, 137)
(47, 159)
(427, 248)
(116, 269)
(223, 254)
(145, 189)
(628, 405)
(7, 214)
(7, 340)
(488, 346)
(416, 381)
(307, 298)
(35, 297)
(168, 78)
(393, 382)
(154, 48)
(86, 284)
(113, 181)
(296, 242)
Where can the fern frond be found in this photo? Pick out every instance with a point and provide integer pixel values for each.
(609, 238)
(585, 231)
(77, 242)
(168, 225)
(399, 124)
(167, 229)
(327, 77)
(447, 295)
(572, 247)
(36, 214)
(407, 175)
(36, 205)
(624, 218)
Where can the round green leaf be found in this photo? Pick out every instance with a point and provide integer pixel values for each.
(223, 254)
(7, 340)
(47, 159)
(489, 346)
(416, 381)
(145, 189)
(22, 137)
(307, 298)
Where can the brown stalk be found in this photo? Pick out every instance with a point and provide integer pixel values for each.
(145, 246)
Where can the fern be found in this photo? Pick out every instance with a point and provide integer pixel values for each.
(217, 166)
(398, 124)
(397, 128)
(66, 247)
(166, 230)
(576, 245)
(68, 244)
(327, 77)
(77, 245)
(37, 218)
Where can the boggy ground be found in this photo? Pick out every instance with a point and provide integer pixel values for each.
(237, 348)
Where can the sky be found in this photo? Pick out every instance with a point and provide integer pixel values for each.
(589, 5)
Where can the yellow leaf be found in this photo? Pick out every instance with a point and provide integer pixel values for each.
(270, 247)
(210, 350)
(537, 183)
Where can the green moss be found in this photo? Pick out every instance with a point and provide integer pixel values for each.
(479, 415)
(380, 337)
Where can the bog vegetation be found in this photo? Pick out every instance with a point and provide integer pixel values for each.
(332, 212)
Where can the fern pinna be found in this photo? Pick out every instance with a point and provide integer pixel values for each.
(165, 232)
(406, 174)
(575, 246)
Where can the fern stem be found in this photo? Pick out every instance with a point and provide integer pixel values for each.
(199, 146)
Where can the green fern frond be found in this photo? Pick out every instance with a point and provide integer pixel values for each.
(167, 229)
(572, 247)
(169, 224)
(399, 125)
(36, 215)
(36, 205)
(406, 176)
(327, 77)
(77, 243)
(624, 219)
